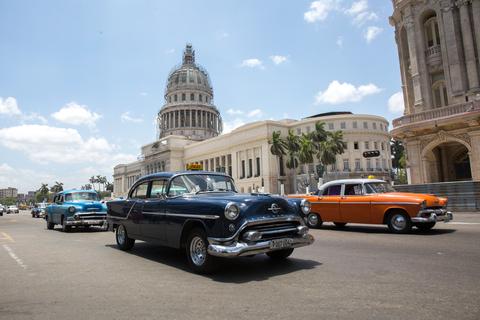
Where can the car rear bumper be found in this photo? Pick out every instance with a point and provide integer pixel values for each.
(433, 215)
(240, 248)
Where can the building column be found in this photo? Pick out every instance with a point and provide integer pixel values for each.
(415, 173)
(476, 25)
(412, 48)
(451, 61)
(468, 45)
(474, 154)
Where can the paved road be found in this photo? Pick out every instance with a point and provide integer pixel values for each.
(361, 272)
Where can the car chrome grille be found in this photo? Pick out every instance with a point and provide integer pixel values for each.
(274, 231)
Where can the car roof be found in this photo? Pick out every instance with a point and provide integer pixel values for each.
(344, 181)
(76, 191)
(168, 175)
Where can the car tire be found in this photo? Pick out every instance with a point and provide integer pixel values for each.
(399, 222)
(340, 224)
(280, 254)
(196, 248)
(65, 228)
(123, 241)
(425, 226)
(50, 225)
(314, 220)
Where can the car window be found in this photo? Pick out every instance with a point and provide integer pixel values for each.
(140, 191)
(353, 189)
(158, 188)
(177, 187)
(333, 190)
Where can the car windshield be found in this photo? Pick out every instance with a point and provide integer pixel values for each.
(199, 183)
(81, 196)
(378, 187)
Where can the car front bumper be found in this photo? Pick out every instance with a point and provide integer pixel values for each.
(89, 222)
(433, 215)
(240, 248)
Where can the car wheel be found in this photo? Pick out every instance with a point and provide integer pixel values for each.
(123, 241)
(50, 225)
(399, 222)
(280, 254)
(65, 228)
(197, 252)
(314, 220)
(425, 226)
(340, 224)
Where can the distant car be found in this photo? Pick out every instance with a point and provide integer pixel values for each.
(38, 210)
(372, 201)
(76, 208)
(12, 209)
(2, 210)
(202, 213)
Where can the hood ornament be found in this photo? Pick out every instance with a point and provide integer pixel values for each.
(275, 208)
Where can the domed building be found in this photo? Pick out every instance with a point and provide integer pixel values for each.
(189, 110)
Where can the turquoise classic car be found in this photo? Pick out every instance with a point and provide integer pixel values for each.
(76, 208)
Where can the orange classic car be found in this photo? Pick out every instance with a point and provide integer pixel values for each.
(372, 201)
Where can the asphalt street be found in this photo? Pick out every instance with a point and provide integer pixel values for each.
(360, 272)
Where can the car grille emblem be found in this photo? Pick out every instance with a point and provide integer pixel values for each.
(275, 208)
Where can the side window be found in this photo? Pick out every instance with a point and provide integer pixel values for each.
(158, 188)
(333, 190)
(140, 191)
(177, 187)
(353, 190)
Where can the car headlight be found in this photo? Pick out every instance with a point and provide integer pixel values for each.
(232, 211)
(71, 209)
(305, 206)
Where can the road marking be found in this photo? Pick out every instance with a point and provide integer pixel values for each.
(457, 222)
(14, 256)
(7, 237)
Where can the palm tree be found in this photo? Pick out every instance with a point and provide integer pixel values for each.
(306, 152)
(319, 134)
(293, 146)
(43, 189)
(92, 180)
(57, 187)
(99, 181)
(328, 149)
(339, 145)
(278, 149)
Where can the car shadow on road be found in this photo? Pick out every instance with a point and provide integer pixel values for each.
(82, 230)
(378, 229)
(236, 270)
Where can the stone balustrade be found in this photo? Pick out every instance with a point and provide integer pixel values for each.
(443, 112)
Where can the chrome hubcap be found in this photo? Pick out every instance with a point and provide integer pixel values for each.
(312, 219)
(121, 235)
(399, 222)
(198, 251)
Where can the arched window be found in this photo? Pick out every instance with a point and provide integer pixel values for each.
(192, 96)
(432, 35)
(175, 98)
(439, 90)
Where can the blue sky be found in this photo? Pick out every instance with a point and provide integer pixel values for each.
(82, 81)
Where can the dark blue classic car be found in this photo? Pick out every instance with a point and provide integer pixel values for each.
(202, 213)
(78, 208)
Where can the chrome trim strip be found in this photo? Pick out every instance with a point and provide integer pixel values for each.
(260, 220)
(183, 215)
(412, 203)
(356, 202)
(327, 202)
(278, 230)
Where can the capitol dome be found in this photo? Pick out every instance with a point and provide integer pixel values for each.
(189, 110)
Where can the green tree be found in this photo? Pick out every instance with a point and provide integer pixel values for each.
(306, 152)
(92, 180)
(57, 187)
(293, 147)
(42, 193)
(278, 149)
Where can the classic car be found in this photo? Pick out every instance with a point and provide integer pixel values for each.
(2, 210)
(76, 208)
(372, 201)
(12, 209)
(38, 210)
(202, 213)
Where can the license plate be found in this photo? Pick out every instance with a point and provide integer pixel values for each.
(281, 243)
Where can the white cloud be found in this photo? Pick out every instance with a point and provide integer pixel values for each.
(126, 117)
(277, 59)
(252, 63)
(234, 112)
(75, 114)
(46, 144)
(255, 113)
(337, 93)
(339, 42)
(229, 126)
(319, 10)
(395, 103)
(371, 33)
(360, 13)
(34, 117)
(9, 107)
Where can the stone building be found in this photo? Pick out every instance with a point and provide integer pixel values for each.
(8, 193)
(190, 127)
(439, 48)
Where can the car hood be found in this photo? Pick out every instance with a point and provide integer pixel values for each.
(431, 200)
